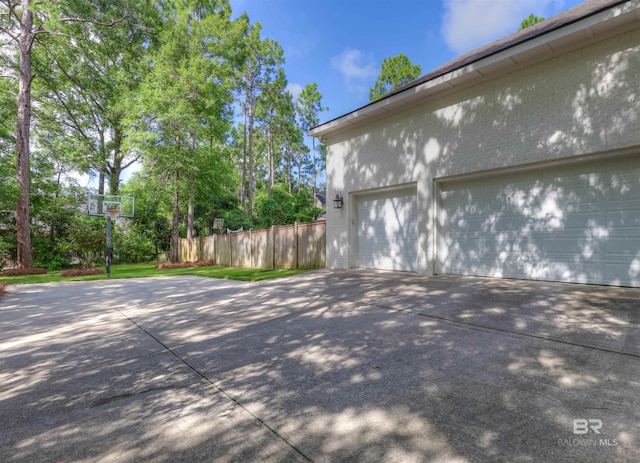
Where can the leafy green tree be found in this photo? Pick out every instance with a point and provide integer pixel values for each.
(531, 20)
(395, 72)
(152, 199)
(10, 190)
(83, 84)
(277, 209)
(262, 59)
(52, 206)
(309, 105)
(23, 23)
(235, 219)
(271, 113)
(182, 112)
(282, 207)
(17, 26)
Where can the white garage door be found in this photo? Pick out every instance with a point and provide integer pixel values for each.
(386, 230)
(576, 223)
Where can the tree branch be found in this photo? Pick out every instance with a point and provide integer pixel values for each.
(12, 10)
(96, 23)
(130, 163)
(73, 123)
(14, 38)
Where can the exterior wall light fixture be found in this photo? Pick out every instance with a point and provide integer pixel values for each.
(337, 201)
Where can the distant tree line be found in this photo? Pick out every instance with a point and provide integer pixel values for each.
(196, 100)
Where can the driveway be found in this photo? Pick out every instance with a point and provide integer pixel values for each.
(327, 366)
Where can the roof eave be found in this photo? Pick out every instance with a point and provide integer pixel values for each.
(531, 50)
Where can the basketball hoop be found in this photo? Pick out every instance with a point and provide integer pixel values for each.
(113, 213)
(110, 207)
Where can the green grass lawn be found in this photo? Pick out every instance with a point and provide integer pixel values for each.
(149, 270)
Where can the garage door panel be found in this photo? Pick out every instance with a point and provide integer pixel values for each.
(622, 245)
(582, 220)
(623, 272)
(575, 223)
(387, 231)
(623, 218)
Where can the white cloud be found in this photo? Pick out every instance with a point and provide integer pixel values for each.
(294, 89)
(354, 65)
(468, 24)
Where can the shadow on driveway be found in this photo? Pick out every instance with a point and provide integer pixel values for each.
(324, 366)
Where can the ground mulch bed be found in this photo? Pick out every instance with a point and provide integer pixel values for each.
(200, 263)
(79, 272)
(23, 271)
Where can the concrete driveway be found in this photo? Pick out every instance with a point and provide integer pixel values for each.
(326, 366)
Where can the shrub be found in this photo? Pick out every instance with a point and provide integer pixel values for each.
(86, 240)
(130, 247)
(49, 255)
(234, 219)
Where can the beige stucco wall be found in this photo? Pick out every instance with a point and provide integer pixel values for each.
(582, 102)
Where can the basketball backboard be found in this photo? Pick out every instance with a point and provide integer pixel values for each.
(218, 224)
(100, 205)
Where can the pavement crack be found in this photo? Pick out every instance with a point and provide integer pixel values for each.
(213, 384)
(475, 326)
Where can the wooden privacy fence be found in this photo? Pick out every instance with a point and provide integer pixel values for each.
(302, 245)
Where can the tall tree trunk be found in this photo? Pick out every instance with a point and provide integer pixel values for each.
(243, 187)
(174, 254)
(23, 210)
(190, 213)
(114, 177)
(191, 209)
(101, 181)
(250, 195)
(271, 162)
(289, 177)
(116, 168)
(102, 165)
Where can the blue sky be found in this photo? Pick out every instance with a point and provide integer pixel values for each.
(340, 44)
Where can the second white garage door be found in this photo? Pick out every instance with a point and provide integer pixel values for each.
(386, 230)
(577, 223)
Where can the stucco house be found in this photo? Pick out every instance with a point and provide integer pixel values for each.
(520, 159)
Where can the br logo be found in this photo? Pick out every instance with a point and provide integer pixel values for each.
(583, 426)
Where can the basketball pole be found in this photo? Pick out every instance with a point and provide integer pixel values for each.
(108, 245)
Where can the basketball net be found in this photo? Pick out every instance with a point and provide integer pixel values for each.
(113, 213)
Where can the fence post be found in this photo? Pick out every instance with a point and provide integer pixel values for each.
(273, 247)
(250, 248)
(295, 242)
(230, 248)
